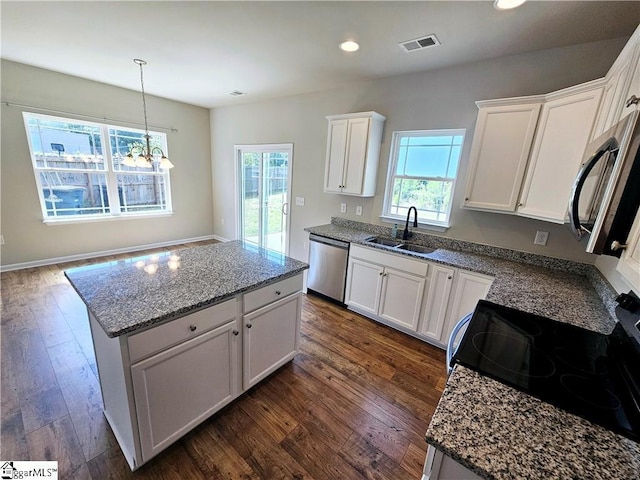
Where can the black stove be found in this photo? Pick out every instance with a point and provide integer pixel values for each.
(586, 373)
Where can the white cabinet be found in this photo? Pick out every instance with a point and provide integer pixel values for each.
(499, 154)
(629, 263)
(525, 162)
(353, 151)
(391, 288)
(470, 287)
(564, 130)
(386, 286)
(439, 466)
(177, 389)
(437, 300)
(271, 336)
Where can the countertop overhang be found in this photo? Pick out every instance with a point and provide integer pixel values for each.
(123, 296)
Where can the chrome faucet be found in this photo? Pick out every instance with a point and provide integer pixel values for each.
(406, 234)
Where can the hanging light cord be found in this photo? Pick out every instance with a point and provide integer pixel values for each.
(144, 105)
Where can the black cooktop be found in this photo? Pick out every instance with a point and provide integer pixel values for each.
(583, 372)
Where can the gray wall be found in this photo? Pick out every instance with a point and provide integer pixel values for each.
(433, 100)
(27, 239)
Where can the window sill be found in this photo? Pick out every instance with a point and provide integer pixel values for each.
(91, 219)
(435, 227)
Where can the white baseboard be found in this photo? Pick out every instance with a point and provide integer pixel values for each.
(220, 239)
(103, 253)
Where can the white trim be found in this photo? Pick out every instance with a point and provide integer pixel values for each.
(103, 218)
(115, 251)
(221, 239)
(437, 227)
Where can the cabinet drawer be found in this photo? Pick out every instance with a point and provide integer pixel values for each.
(271, 293)
(390, 259)
(175, 331)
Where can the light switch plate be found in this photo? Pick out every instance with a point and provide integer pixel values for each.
(343, 208)
(359, 210)
(300, 201)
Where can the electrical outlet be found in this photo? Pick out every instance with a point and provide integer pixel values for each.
(359, 210)
(541, 238)
(300, 201)
(343, 208)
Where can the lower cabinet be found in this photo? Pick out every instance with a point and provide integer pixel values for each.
(422, 298)
(385, 286)
(174, 393)
(439, 466)
(629, 263)
(271, 337)
(158, 384)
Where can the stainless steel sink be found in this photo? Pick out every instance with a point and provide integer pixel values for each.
(387, 242)
(414, 248)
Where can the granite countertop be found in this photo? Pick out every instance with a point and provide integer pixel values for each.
(493, 429)
(123, 296)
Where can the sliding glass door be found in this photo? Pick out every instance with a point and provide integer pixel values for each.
(264, 174)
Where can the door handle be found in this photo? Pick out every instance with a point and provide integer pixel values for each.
(284, 208)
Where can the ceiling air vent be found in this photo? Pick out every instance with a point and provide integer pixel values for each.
(237, 93)
(419, 43)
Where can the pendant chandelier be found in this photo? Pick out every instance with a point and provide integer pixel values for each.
(146, 155)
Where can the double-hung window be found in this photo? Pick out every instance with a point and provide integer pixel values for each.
(422, 172)
(80, 175)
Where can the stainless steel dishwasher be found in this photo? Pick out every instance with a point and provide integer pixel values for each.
(327, 266)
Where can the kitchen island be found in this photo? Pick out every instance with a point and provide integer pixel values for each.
(493, 430)
(179, 335)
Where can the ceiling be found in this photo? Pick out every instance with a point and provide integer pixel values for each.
(198, 52)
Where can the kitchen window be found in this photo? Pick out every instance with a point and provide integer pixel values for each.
(79, 172)
(422, 172)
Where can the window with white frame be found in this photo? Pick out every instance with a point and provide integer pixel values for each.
(422, 172)
(80, 175)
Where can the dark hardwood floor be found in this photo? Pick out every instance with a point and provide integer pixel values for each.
(354, 403)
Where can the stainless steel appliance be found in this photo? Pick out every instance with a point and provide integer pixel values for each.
(606, 192)
(586, 373)
(327, 266)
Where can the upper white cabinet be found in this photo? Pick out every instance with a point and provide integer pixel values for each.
(564, 129)
(629, 263)
(527, 151)
(501, 145)
(353, 152)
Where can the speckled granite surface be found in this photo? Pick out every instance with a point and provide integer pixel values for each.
(493, 429)
(124, 297)
(535, 284)
(510, 435)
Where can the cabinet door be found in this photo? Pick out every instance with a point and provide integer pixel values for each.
(633, 86)
(180, 387)
(336, 151)
(564, 130)
(401, 298)
(470, 287)
(499, 155)
(271, 337)
(435, 310)
(629, 263)
(364, 284)
(356, 154)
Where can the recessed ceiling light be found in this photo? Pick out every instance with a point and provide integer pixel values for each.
(349, 46)
(507, 4)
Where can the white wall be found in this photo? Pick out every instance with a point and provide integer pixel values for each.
(432, 100)
(27, 239)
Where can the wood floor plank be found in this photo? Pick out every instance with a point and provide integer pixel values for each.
(413, 460)
(13, 442)
(270, 416)
(370, 462)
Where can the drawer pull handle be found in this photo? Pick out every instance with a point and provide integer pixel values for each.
(248, 325)
(278, 292)
(236, 332)
(192, 328)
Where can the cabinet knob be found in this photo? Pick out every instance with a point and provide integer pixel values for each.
(278, 292)
(521, 204)
(235, 332)
(449, 277)
(248, 325)
(616, 245)
(466, 199)
(192, 328)
(633, 100)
